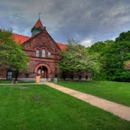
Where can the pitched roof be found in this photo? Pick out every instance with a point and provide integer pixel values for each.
(62, 46)
(19, 38)
(38, 24)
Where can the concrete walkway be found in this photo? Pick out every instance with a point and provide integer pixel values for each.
(114, 108)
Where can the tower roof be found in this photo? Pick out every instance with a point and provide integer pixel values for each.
(38, 24)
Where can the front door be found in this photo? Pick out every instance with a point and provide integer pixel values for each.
(42, 71)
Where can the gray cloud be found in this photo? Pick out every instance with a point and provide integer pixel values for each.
(87, 21)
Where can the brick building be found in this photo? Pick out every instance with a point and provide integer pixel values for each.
(43, 51)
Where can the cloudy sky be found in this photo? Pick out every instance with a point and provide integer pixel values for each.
(86, 21)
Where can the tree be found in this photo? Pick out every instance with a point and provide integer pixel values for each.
(77, 58)
(115, 56)
(100, 49)
(123, 37)
(11, 54)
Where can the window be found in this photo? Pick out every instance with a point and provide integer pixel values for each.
(37, 53)
(9, 75)
(43, 53)
(49, 54)
(26, 75)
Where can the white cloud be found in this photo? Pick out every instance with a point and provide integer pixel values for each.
(87, 42)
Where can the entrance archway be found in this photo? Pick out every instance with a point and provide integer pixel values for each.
(43, 67)
(42, 72)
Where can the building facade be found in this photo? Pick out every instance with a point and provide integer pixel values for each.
(43, 52)
(44, 56)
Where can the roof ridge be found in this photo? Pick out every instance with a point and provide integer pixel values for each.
(21, 35)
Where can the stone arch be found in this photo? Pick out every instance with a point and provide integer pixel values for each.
(42, 64)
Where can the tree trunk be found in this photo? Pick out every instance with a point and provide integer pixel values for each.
(15, 77)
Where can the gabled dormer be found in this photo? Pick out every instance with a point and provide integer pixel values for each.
(38, 27)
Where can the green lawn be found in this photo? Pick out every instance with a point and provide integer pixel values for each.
(10, 81)
(39, 107)
(5, 81)
(114, 91)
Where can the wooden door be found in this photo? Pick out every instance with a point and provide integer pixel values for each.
(42, 72)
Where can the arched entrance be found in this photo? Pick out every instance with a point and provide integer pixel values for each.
(42, 72)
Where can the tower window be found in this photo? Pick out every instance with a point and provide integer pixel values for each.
(43, 53)
(37, 53)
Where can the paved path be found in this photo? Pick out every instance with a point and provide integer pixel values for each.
(115, 108)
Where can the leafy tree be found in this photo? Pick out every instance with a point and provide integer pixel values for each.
(123, 37)
(115, 56)
(77, 58)
(100, 48)
(11, 54)
(97, 47)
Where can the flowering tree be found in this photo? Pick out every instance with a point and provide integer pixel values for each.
(77, 58)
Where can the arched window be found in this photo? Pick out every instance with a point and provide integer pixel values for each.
(37, 53)
(49, 54)
(43, 53)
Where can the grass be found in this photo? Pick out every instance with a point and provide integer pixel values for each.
(10, 81)
(114, 91)
(39, 107)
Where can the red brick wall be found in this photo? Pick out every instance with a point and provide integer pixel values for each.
(2, 73)
(42, 41)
